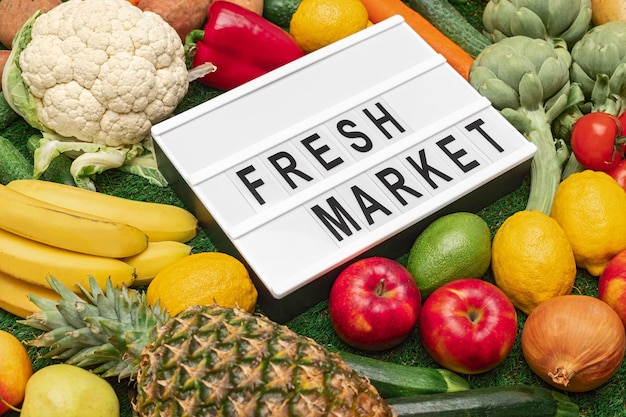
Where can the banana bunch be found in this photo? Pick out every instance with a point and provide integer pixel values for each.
(51, 229)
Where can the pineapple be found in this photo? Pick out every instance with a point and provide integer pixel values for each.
(205, 361)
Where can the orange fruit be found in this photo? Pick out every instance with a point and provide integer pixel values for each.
(15, 370)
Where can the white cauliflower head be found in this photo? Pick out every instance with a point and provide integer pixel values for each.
(103, 71)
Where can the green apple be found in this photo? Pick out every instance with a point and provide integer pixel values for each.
(64, 390)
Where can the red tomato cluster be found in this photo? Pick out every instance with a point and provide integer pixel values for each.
(598, 144)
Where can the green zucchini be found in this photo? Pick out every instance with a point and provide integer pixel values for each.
(445, 17)
(7, 114)
(13, 164)
(505, 401)
(59, 168)
(279, 12)
(395, 380)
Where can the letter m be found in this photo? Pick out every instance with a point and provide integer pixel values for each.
(338, 220)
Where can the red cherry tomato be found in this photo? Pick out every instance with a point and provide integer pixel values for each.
(593, 141)
(619, 173)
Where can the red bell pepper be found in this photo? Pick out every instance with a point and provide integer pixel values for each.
(241, 44)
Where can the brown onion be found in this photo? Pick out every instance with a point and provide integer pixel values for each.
(574, 342)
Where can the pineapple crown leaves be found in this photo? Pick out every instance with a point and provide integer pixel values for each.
(103, 330)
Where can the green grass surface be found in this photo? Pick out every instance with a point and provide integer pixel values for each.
(606, 401)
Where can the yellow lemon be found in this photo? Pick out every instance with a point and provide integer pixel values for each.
(317, 23)
(591, 208)
(201, 279)
(531, 259)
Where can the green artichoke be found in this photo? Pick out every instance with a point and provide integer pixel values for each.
(599, 67)
(527, 80)
(542, 19)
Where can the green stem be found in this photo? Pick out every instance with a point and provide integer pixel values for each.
(571, 167)
(545, 168)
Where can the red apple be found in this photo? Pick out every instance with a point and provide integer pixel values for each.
(468, 325)
(612, 285)
(374, 304)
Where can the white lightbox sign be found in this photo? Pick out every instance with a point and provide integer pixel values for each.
(329, 157)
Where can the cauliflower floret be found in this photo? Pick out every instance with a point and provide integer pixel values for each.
(103, 71)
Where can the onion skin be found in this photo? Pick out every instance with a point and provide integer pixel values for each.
(574, 342)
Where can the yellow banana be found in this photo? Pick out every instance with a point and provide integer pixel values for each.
(32, 261)
(14, 295)
(67, 229)
(157, 256)
(157, 220)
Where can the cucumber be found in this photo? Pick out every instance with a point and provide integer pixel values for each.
(7, 114)
(445, 17)
(505, 401)
(395, 380)
(59, 168)
(279, 12)
(13, 164)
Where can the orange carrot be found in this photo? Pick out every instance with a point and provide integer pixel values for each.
(379, 10)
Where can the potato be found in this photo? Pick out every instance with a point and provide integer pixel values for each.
(183, 15)
(19, 11)
(4, 56)
(603, 11)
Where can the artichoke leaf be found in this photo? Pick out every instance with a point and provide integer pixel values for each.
(601, 92)
(521, 122)
(497, 36)
(552, 77)
(500, 94)
(564, 112)
(617, 81)
(578, 27)
(563, 54)
(531, 91)
(527, 23)
(539, 7)
(556, 107)
(561, 14)
(562, 152)
(579, 76)
(607, 58)
(513, 67)
(479, 74)
(496, 15)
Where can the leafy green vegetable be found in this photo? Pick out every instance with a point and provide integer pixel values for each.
(14, 87)
(90, 159)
